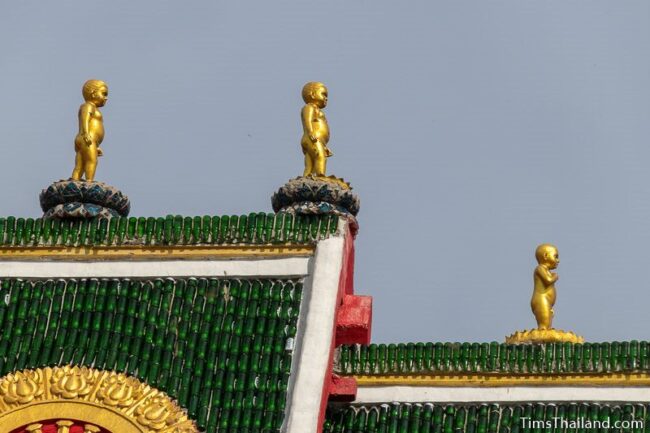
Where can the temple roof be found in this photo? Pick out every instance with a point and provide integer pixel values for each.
(254, 228)
(222, 347)
(436, 358)
(477, 417)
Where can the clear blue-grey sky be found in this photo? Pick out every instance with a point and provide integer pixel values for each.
(472, 130)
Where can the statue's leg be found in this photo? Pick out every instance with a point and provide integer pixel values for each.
(78, 167)
(542, 316)
(308, 164)
(319, 159)
(90, 163)
(546, 315)
(542, 322)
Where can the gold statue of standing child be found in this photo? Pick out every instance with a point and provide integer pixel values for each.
(542, 303)
(316, 132)
(544, 280)
(91, 130)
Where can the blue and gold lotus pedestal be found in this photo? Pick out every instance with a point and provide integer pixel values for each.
(318, 195)
(82, 199)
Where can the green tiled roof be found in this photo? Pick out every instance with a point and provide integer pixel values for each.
(254, 228)
(484, 418)
(432, 358)
(221, 347)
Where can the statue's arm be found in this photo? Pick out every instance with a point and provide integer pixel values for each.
(307, 116)
(547, 276)
(85, 112)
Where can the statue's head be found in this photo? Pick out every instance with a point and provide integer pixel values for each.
(315, 93)
(95, 91)
(546, 254)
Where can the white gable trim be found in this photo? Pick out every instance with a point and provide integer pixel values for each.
(422, 394)
(315, 337)
(268, 267)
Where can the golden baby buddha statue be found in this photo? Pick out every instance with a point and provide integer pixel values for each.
(544, 285)
(543, 300)
(315, 192)
(91, 130)
(81, 196)
(316, 132)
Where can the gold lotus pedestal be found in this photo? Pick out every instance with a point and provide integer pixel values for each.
(540, 336)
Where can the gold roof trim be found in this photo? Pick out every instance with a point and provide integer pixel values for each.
(507, 380)
(168, 252)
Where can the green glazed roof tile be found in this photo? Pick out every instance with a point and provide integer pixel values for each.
(216, 345)
(255, 228)
(488, 418)
(551, 358)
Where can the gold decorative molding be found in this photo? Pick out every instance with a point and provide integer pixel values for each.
(541, 336)
(139, 252)
(113, 401)
(507, 380)
(64, 426)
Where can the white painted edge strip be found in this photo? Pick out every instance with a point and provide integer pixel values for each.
(270, 267)
(314, 339)
(418, 394)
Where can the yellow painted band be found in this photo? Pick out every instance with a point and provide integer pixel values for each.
(132, 252)
(507, 380)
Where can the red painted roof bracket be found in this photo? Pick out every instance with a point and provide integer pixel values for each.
(354, 320)
(343, 388)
